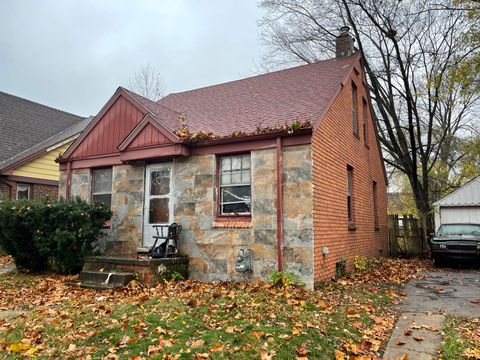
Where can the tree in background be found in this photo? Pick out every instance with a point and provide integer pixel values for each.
(147, 82)
(420, 60)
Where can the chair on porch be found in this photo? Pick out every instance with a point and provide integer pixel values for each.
(167, 248)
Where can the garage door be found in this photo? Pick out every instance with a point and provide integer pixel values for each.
(455, 215)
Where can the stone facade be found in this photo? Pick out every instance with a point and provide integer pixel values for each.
(127, 207)
(212, 246)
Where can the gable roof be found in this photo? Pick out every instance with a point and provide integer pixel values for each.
(264, 101)
(466, 195)
(25, 124)
(64, 136)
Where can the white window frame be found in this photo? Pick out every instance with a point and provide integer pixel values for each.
(241, 184)
(102, 192)
(28, 189)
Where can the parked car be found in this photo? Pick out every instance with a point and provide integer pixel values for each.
(456, 241)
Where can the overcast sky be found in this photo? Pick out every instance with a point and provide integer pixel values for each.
(73, 54)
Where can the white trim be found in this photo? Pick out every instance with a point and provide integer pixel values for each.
(147, 227)
(29, 188)
(61, 143)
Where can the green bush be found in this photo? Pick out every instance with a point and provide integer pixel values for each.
(55, 236)
(279, 278)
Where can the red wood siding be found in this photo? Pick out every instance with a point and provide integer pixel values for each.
(112, 128)
(147, 137)
(334, 147)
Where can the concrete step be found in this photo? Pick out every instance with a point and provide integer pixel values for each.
(113, 278)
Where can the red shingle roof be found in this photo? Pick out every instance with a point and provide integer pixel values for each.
(269, 100)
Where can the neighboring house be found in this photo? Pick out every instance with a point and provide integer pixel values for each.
(32, 137)
(286, 164)
(461, 206)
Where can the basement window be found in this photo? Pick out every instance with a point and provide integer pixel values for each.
(234, 185)
(102, 186)
(23, 191)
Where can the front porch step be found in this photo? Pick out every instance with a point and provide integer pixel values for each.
(104, 277)
(102, 280)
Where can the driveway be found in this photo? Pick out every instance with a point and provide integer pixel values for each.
(428, 299)
(450, 292)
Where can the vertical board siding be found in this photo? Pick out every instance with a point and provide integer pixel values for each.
(334, 147)
(147, 137)
(43, 167)
(112, 128)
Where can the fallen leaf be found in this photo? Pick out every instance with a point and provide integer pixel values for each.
(407, 331)
(472, 353)
(399, 342)
(418, 338)
(216, 347)
(197, 343)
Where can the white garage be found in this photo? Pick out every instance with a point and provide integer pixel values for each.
(461, 206)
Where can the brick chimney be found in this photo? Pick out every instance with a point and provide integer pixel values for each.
(344, 43)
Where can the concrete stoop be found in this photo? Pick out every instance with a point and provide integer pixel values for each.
(101, 280)
(108, 272)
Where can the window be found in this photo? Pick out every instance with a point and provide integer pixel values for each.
(375, 211)
(364, 118)
(354, 109)
(234, 183)
(350, 193)
(102, 186)
(23, 191)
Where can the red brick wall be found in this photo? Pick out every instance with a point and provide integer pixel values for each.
(5, 191)
(38, 191)
(334, 147)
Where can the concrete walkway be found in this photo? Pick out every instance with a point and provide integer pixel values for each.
(429, 299)
(4, 269)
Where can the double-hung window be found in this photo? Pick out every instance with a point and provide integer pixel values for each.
(375, 210)
(350, 194)
(23, 191)
(235, 185)
(354, 109)
(102, 186)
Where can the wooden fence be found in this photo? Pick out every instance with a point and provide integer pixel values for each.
(405, 236)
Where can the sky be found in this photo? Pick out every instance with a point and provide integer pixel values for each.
(73, 54)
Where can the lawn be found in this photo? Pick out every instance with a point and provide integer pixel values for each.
(461, 339)
(192, 320)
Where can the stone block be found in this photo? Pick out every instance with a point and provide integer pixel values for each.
(265, 237)
(263, 221)
(205, 181)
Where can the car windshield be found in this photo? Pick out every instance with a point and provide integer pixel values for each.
(459, 229)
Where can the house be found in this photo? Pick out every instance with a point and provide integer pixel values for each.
(285, 164)
(32, 136)
(460, 206)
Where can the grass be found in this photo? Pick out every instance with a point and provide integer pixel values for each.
(191, 320)
(460, 334)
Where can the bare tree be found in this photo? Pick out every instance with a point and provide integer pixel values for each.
(147, 82)
(412, 54)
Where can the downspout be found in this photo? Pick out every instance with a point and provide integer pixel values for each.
(67, 180)
(279, 204)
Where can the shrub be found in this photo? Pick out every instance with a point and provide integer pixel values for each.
(362, 263)
(279, 278)
(44, 235)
